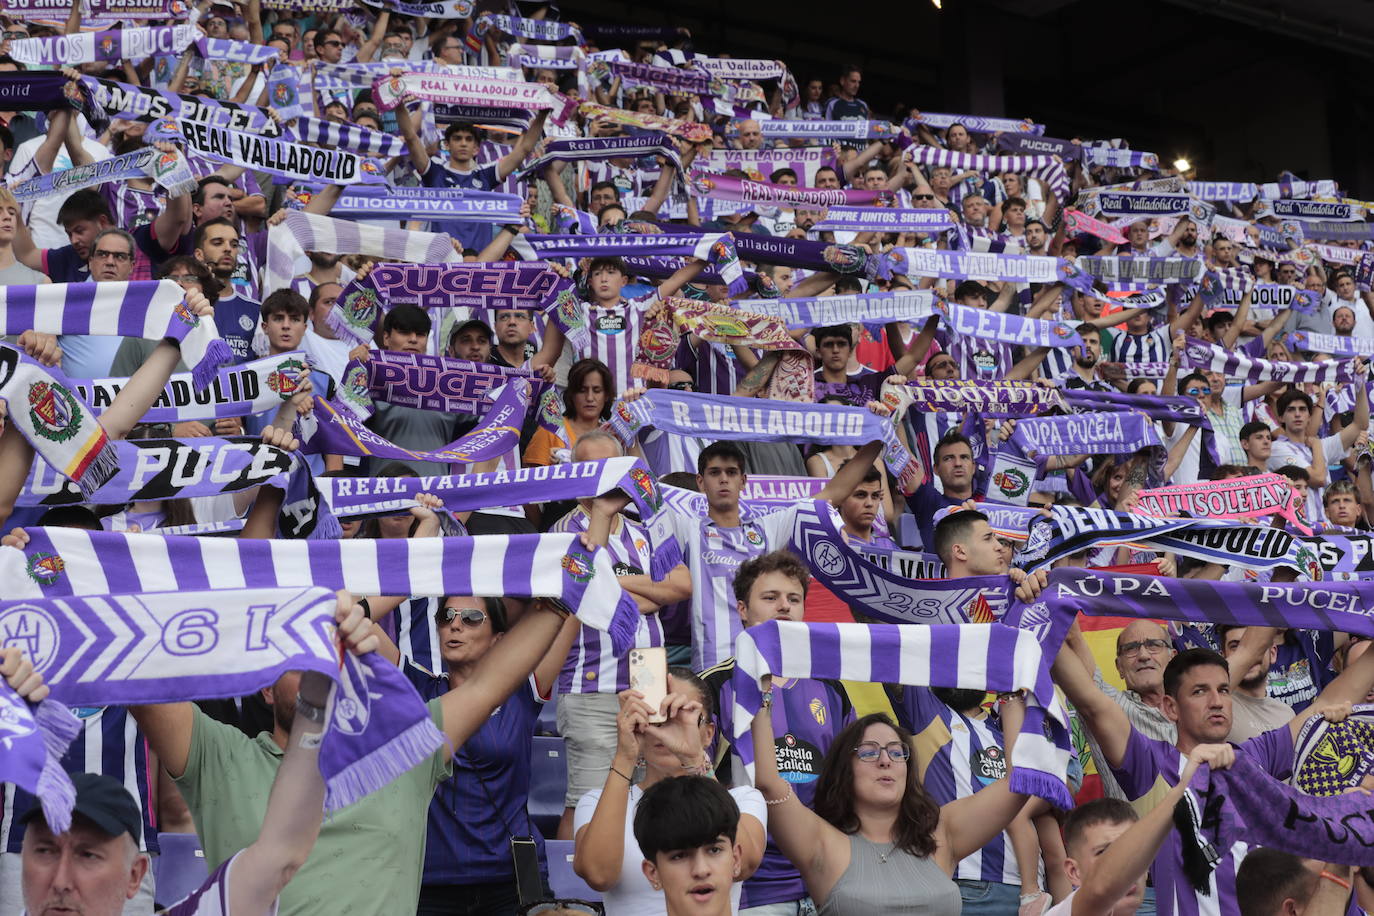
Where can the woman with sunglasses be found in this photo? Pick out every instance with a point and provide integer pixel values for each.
(876, 844)
(606, 854)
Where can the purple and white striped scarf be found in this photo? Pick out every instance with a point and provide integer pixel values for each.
(60, 562)
(492, 285)
(241, 51)
(302, 232)
(715, 248)
(1049, 169)
(1199, 354)
(151, 310)
(155, 469)
(157, 648)
(552, 57)
(1086, 434)
(1330, 343)
(461, 204)
(776, 128)
(519, 27)
(134, 43)
(990, 399)
(1276, 190)
(854, 308)
(121, 100)
(746, 190)
(424, 382)
(886, 219)
(1120, 158)
(601, 148)
(976, 122)
(1142, 270)
(1017, 268)
(169, 171)
(349, 137)
(390, 91)
(333, 429)
(280, 158)
(358, 75)
(972, 656)
(237, 391)
(665, 79)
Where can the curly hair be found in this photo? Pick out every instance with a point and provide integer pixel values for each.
(918, 816)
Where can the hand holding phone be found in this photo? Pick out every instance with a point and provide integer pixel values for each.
(649, 675)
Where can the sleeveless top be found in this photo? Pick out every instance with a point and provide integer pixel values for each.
(904, 884)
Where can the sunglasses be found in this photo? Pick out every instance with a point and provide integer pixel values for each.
(1195, 392)
(870, 751)
(922, 196)
(470, 616)
(14, 36)
(680, 386)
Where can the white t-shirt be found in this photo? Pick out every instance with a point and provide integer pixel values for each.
(1063, 907)
(41, 215)
(632, 895)
(1286, 452)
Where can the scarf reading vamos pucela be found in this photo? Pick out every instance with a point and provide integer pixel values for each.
(390, 91)
(280, 158)
(1240, 192)
(115, 44)
(886, 219)
(169, 171)
(356, 496)
(1254, 496)
(302, 232)
(664, 324)
(41, 405)
(973, 656)
(1086, 434)
(156, 469)
(694, 131)
(135, 103)
(872, 309)
(745, 190)
(1199, 354)
(985, 324)
(236, 391)
(241, 51)
(743, 419)
(359, 309)
(598, 149)
(717, 249)
(1049, 169)
(425, 382)
(977, 265)
(168, 648)
(147, 309)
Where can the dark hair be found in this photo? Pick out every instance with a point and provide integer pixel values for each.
(774, 175)
(972, 288)
(847, 69)
(286, 301)
(1254, 426)
(495, 608)
(463, 127)
(872, 475)
(1097, 811)
(409, 318)
(1293, 396)
(684, 812)
(708, 696)
(1267, 877)
(849, 284)
(322, 35)
(779, 561)
(610, 263)
(602, 185)
(949, 439)
(1187, 660)
(952, 529)
(727, 450)
(1295, 473)
(842, 331)
(828, 168)
(1217, 319)
(71, 517)
(683, 480)
(204, 228)
(198, 196)
(918, 816)
(577, 376)
(1183, 382)
(1014, 202)
(1135, 384)
(84, 204)
(7, 135)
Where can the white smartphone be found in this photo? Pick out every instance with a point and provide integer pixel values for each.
(649, 675)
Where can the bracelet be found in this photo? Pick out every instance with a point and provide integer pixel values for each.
(767, 702)
(367, 608)
(1336, 878)
(622, 776)
(770, 802)
(309, 710)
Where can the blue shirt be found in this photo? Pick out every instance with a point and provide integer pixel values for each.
(475, 810)
(237, 319)
(468, 234)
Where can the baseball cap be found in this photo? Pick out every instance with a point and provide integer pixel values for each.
(474, 323)
(103, 801)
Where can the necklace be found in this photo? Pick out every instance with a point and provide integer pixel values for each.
(882, 856)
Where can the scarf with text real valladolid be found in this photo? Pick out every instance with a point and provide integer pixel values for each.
(970, 656)
(129, 649)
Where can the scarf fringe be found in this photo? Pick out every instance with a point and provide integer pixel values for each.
(1028, 781)
(56, 793)
(101, 469)
(342, 328)
(623, 625)
(217, 353)
(400, 754)
(666, 557)
(649, 373)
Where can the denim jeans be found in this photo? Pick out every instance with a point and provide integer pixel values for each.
(987, 898)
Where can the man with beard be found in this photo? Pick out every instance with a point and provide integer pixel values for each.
(1037, 237)
(1082, 372)
(1251, 651)
(1182, 241)
(325, 267)
(236, 315)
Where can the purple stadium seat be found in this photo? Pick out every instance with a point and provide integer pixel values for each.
(564, 881)
(180, 868)
(548, 783)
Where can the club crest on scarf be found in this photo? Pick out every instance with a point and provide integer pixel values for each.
(15, 721)
(32, 630)
(648, 488)
(1011, 482)
(844, 259)
(578, 566)
(1332, 757)
(360, 308)
(45, 568)
(54, 410)
(286, 379)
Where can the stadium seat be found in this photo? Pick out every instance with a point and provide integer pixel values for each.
(548, 783)
(547, 724)
(565, 882)
(179, 868)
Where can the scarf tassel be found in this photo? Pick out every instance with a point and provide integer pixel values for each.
(666, 557)
(56, 793)
(649, 373)
(401, 753)
(1029, 781)
(101, 468)
(204, 372)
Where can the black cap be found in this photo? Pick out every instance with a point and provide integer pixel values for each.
(103, 801)
(474, 323)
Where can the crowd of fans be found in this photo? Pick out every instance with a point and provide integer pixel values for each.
(1243, 338)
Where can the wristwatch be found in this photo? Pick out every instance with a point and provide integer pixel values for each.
(311, 712)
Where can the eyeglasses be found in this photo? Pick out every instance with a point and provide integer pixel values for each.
(1195, 392)
(1132, 649)
(184, 279)
(13, 36)
(117, 255)
(680, 386)
(548, 906)
(471, 616)
(870, 751)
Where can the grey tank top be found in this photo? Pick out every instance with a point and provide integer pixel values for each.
(904, 884)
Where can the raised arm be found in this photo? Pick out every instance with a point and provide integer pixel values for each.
(852, 474)
(680, 278)
(1106, 720)
(1351, 431)
(369, 47)
(146, 385)
(419, 153)
(522, 148)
